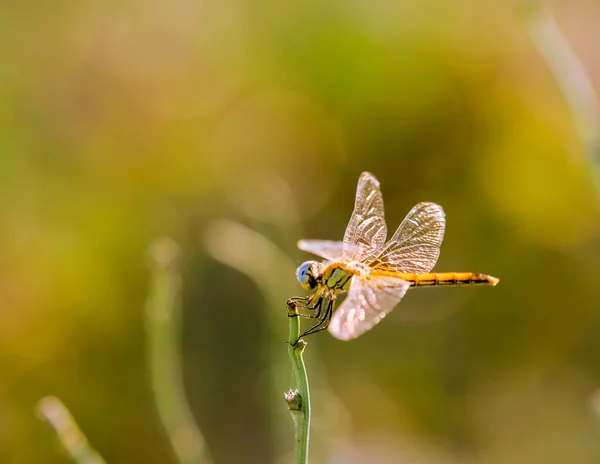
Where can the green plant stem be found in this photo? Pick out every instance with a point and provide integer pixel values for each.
(72, 438)
(163, 314)
(299, 399)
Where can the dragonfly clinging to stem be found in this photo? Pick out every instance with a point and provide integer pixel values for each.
(374, 273)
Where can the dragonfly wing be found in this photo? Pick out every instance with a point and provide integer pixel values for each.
(366, 228)
(369, 300)
(415, 247)
(327, 249)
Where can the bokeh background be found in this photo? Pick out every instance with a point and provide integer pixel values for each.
(237, 128)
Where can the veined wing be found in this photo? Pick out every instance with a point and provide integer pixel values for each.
(369, 300)
(415, 247)
(366, 228)
(327, 249)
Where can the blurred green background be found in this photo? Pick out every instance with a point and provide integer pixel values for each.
(125, 121)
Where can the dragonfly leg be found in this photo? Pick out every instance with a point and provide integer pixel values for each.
(296, 302)
(318, 307)
(323, 323)
(305, 303)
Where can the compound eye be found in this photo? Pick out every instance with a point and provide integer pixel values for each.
(303, 273)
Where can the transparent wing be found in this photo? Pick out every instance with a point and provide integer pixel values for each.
(366, 228)
(327, 249)
(415, 247)
(368, 301)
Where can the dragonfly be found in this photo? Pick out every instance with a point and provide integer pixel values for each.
(373, 273)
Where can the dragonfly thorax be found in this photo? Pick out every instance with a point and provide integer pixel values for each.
(309, 274)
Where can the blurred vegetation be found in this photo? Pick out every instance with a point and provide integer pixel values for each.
(73, 441)
(163, 319)
(125, 121)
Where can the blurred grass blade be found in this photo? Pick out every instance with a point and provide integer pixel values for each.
(261, 260)
(164, 340)
(270, 269)
(257, 257)
(572, 80)
(74, 441)
(595, 402)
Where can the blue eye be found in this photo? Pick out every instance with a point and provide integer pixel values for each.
(302, 272)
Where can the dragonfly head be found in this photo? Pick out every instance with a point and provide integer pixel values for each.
(308, 274)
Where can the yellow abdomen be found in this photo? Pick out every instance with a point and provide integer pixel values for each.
(444, 278)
